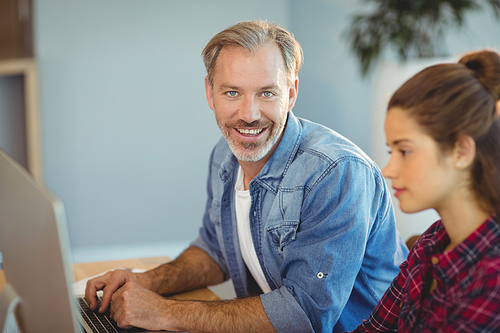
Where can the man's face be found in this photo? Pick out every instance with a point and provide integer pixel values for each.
(251, 99)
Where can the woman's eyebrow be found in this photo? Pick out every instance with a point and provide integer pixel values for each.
(396, 142)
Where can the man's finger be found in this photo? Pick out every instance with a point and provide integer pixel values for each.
(91, 291)
(116, 281)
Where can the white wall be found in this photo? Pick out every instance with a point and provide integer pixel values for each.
(331, 90)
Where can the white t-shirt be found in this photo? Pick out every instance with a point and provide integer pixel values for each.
(243, 202)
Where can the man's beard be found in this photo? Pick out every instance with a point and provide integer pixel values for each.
(251, 151)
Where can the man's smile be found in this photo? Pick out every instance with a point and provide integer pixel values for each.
(250, 132)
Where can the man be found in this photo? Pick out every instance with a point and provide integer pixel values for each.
(297, 216)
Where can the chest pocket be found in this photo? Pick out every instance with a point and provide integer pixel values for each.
(284, 218)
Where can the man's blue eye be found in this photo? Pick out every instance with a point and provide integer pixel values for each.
(232, 93)
(267, 94)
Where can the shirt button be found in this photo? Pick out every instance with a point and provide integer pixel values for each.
(319, 275)
(435, 260)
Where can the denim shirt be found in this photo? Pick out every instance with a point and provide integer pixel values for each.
(322, 224)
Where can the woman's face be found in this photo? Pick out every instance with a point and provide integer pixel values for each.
(421, 175)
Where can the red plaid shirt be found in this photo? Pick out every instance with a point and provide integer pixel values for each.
(467, 295)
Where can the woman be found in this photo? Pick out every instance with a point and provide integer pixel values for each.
(443, 130)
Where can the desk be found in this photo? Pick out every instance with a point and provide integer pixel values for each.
(85, 270)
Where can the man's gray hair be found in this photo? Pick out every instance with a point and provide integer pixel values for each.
(251, 35)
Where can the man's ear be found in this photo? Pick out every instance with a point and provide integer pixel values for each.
(293, 90)
(464, 151)
(210, 93)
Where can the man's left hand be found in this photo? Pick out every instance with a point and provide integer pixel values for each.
(133, 305)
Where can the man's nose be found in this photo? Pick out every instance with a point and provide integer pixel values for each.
(249, 110)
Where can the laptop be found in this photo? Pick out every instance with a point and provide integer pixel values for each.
(34, 243)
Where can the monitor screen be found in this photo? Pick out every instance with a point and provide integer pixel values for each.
(35, 248)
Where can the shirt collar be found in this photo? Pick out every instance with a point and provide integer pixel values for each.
(469, 252)
(284, 154)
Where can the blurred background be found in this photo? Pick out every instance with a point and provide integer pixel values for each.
(124, 129)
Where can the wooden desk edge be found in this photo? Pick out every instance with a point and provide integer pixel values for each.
(86, 270)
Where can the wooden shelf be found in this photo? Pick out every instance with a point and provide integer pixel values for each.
(26, 67)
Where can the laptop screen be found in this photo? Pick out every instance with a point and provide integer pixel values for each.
(35, 248)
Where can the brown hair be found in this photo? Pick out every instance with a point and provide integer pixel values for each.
(251, 35)
(449, 100)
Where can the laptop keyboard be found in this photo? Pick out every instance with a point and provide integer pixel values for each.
(100, 322)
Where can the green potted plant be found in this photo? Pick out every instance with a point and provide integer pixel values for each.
(413, 28)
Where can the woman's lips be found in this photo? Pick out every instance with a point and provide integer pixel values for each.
(399, 191)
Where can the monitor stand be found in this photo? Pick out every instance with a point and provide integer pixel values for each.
(9, 302)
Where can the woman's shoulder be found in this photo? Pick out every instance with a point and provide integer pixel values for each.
(489, 265)
(486, 247)
(431, 235)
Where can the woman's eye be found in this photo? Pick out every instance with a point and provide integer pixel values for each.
(404, 152)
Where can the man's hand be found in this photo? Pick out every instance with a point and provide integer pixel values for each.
(133, 302)
(133, 305)
(109, 283)
(192, 269)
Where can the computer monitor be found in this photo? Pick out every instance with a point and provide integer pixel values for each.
(35, 246)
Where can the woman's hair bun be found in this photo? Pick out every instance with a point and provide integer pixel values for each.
(486, 67)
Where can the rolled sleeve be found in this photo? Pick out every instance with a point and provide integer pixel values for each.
(284, 312)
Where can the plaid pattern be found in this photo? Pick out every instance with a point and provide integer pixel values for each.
(466, 297)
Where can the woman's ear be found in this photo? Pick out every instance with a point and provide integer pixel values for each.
(464, 152)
